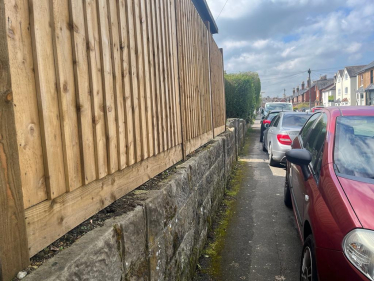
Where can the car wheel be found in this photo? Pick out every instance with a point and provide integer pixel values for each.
(287, 193)
(308, 266)
(270, 152)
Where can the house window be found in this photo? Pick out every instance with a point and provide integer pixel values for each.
(339, 79)
(362, 79)
(371, 76)
(346, 76)
(339, 93)
(346, 90)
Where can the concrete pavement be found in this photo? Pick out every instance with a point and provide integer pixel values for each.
(261, 241)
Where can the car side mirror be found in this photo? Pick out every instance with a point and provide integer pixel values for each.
(267, 125)
(302, 158)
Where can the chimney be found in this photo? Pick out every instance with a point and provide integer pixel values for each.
(293, 91)
(302, 85)
(323, 77)
(297, 89)
(308, 83)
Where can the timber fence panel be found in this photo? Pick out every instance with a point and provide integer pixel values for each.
(106, 94)
(218, 89)
(194, 76)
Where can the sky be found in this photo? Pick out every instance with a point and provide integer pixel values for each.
(282, 39)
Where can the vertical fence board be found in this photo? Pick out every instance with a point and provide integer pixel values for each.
(14, 254)
(161, 76)
(47, 97)
(152, 66)
(29, 141)
(141, 79)
(93, 45)
(134, 80)
(108, 91)
(62, 46)
(117, 82)
(157, 77)
(83, 92)
(126, 79)
(174, 43)
(147, 87)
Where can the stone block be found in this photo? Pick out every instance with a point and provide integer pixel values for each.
(132, 228)
(93, 257)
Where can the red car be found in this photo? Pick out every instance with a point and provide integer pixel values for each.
(330, 185)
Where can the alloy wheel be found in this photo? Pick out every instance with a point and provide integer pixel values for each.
(307, 265)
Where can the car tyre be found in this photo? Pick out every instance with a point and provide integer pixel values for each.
(308, 266)
(271, 160)
(287, 194)
(263, 147)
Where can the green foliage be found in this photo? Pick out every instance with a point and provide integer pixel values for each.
(242, 95)
(331, 99)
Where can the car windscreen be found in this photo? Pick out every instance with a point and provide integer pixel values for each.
(294, 120)
(278, 106)
(354, 146)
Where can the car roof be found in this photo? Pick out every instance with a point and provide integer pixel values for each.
(351, 110)
(294, 113)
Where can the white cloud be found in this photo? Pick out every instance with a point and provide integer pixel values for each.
(353, 47)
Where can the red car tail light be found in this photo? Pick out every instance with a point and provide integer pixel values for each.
(266, 122)
(284, 139)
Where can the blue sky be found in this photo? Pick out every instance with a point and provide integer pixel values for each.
(282, 39)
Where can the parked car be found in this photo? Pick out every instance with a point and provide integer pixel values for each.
(267, 120)
(280, 133)
(316, 108)
(277, 106)
(330, 185)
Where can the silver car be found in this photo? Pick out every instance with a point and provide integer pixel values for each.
(280, 134)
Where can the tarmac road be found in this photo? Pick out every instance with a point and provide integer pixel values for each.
(261, 241)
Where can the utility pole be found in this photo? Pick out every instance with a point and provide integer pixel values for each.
(284, 95)
(310, 85)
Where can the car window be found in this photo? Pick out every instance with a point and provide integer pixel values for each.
(274, 121)
(271, 116)
(294, 120)
(315, 143)
(354, 146)
(306, 129)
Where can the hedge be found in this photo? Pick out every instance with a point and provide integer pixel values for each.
(242, 95)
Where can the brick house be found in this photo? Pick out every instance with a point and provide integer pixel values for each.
(365, 85)
(320, 85)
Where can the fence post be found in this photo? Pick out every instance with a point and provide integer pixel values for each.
(14, 254)
(210, 78)
(223, 85)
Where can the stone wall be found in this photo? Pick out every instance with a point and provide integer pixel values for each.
(162, 238)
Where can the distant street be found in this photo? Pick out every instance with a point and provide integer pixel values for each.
(262, 242)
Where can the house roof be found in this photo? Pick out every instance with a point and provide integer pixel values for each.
(341, 71)
(204, 11)
(366, 67)
(370, 87)
(329, 88)
(360, 90)
(322, 84)
(353, 70)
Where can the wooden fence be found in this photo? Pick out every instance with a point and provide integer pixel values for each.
(96, 97)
